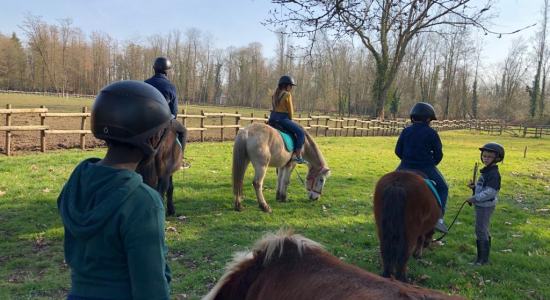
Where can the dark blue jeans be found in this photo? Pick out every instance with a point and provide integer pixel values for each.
(289, 125)
(441, 185)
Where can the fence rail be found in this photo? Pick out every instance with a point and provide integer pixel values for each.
(227, 123)
(50, 94)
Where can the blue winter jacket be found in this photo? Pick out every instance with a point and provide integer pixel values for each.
(167, 89)
(419, 147)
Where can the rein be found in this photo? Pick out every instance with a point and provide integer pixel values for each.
(310, 188)
(449, 230)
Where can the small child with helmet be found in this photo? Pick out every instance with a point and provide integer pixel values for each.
(282, 111)
(114, 223)
(419, 148)
(485, 198)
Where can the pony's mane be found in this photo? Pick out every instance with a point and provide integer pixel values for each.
(315, 147)
(269, 244)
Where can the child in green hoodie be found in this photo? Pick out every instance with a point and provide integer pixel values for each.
(114, 223)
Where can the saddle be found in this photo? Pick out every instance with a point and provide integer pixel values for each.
(428, 181)
(288, 137)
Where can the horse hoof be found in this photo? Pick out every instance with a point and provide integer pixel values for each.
(239, 207)
(170, 213)
(267, 210)
(282, 199)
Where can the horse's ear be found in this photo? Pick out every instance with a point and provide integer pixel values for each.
(326, 170)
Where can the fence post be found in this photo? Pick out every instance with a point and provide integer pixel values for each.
(202, 126)
(251, 116)
(317, 127)
(354, 127)
(184, 119)
(221, 123)
(326, 124)
(83, 127)
(43, 132)
(8, 133)
(524, 131)
(237, 121)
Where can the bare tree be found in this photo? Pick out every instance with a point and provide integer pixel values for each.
(38, 33)
(384, 27)
(537, 103)
(506, 93)
(66, 34)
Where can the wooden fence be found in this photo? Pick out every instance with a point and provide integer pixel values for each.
(517, 130)
(227, 124)
(49, 94)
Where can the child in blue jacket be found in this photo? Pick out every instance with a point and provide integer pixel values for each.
(419, 148)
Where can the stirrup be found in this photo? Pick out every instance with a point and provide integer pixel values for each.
(185, 165)
(300, 160)
(441, 227)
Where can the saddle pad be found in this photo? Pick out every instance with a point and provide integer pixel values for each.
(287, 138)
(432, 187)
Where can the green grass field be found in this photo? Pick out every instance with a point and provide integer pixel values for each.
(31, 249)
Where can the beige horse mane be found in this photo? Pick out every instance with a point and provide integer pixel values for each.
(268, 244)
(312, 145)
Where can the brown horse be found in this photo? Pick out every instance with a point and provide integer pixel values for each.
(157, 172)
(406, 212)
(292, 267)
(264, 147)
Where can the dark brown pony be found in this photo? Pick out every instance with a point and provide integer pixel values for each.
(406, 212)
(157, 173)
(291, 267)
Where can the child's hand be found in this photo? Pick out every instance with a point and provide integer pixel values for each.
(471, 200)
(471, 185)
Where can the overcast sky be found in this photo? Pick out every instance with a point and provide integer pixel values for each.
(231, 22)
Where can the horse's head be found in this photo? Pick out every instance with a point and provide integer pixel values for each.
(316, 178)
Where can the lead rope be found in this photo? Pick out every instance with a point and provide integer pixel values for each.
(440, 238)
(303, 183)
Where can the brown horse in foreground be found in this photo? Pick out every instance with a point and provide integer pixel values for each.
(292, 267)
(157, 173)
(262, 145)
(406, 212)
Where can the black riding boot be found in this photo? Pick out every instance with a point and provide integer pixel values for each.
(483, 248)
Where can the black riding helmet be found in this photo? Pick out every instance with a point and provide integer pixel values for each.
(422, 111)
(130, 112)
(286, 80)
(162, 64)
(494, 147)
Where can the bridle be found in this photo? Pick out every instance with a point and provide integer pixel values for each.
(309, 186)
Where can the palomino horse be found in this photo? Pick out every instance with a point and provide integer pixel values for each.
(292, 267)
(157, 172)
(406, 212)
(264, 147)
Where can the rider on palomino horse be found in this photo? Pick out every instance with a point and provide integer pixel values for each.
(281, 101)
(160, 81)
(419, 148)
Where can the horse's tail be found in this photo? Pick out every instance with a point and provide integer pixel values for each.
(393, 244)
(148, 171)
(240, 162)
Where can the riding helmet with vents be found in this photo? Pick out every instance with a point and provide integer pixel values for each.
(130, 112)
(162, 64)
(286, 79)
(494, 147)
(422, 111)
